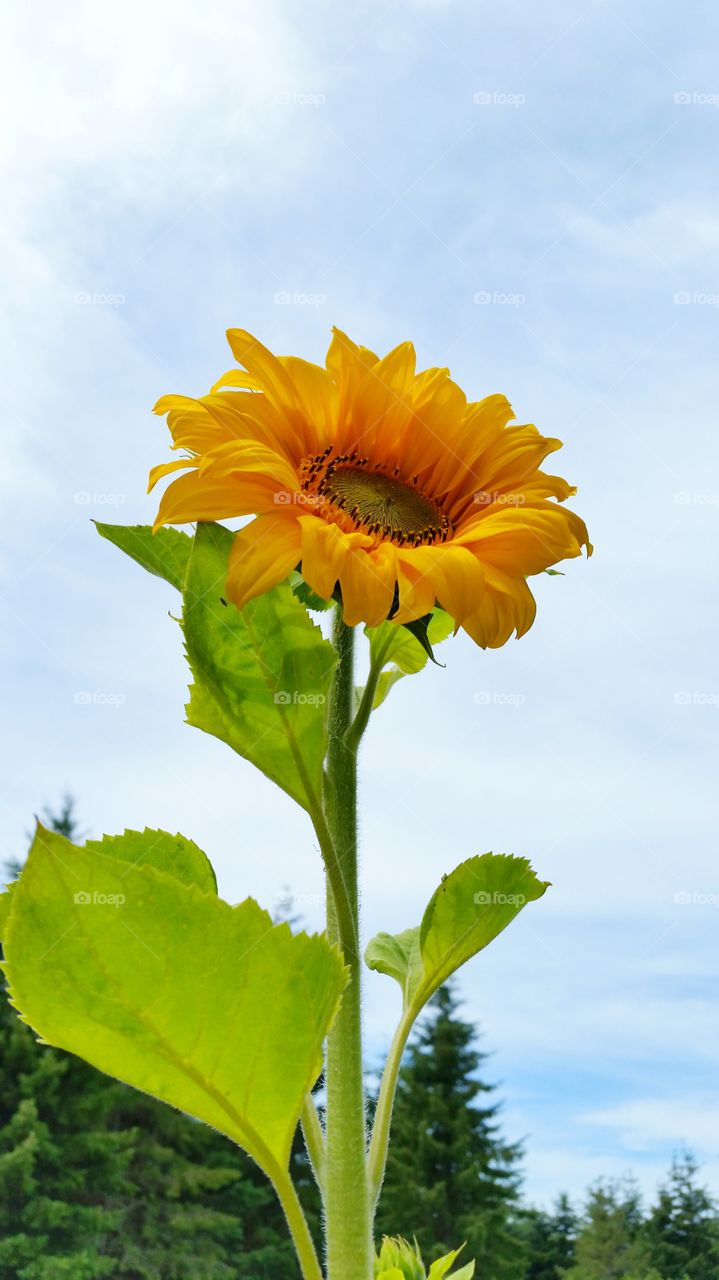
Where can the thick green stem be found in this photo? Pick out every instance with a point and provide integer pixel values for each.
(350, 1253)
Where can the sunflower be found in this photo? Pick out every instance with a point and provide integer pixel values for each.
(384, 486)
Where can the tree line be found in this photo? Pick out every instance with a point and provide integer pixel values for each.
(98, 1180)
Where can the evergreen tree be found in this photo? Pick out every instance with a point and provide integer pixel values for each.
(450, 1175)
(682, 1230)
(610, 1244)
(97, 1179)
(550, 1240)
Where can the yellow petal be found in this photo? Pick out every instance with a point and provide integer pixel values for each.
(193, 498)
(236, 378)
(507, 605)
(166, 469)
(454, 574)
(247, 457)
(264, 366)
(324, 550)
(263, 554)
(367, 580)
(526, 538)
(417, 593)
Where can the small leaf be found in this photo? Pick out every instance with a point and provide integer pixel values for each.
(401, 652)
(472, 905)
(399, 1260)
(261, 674)
(165, 553)
(397, 955)
(440, 1269)
(210, 1008)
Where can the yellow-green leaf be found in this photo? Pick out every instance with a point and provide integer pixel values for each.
(176, 855)
(165, 553)
(208, 1007)
(472, 905)
(401, 653)
(400, 1260)
(5, 904)
(261, 674)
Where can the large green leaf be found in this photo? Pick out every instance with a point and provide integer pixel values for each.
(473, 904)
(165, 553)
(400, 652)
(5, 905)
(176, 855)
(261, 674)
(210, 1008)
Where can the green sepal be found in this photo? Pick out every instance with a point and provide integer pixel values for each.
(419, 628)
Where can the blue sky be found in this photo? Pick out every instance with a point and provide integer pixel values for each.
(530, 194)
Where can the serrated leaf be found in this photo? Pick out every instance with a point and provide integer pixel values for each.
(472, 905)
(5, 905)
(176, 855)
(165, 553)
(212, 1009)
(306, 595)
(261, 674)
(402, 653)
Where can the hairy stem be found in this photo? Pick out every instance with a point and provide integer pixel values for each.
(377, 1160)
(314, 1141)
(302, 1240)
(364, 711)
(347, 1207)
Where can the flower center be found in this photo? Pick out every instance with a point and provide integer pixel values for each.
(380, 503)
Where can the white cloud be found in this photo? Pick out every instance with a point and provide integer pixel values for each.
(640, 1124)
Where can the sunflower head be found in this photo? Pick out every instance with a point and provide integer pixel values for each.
(383, 486)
